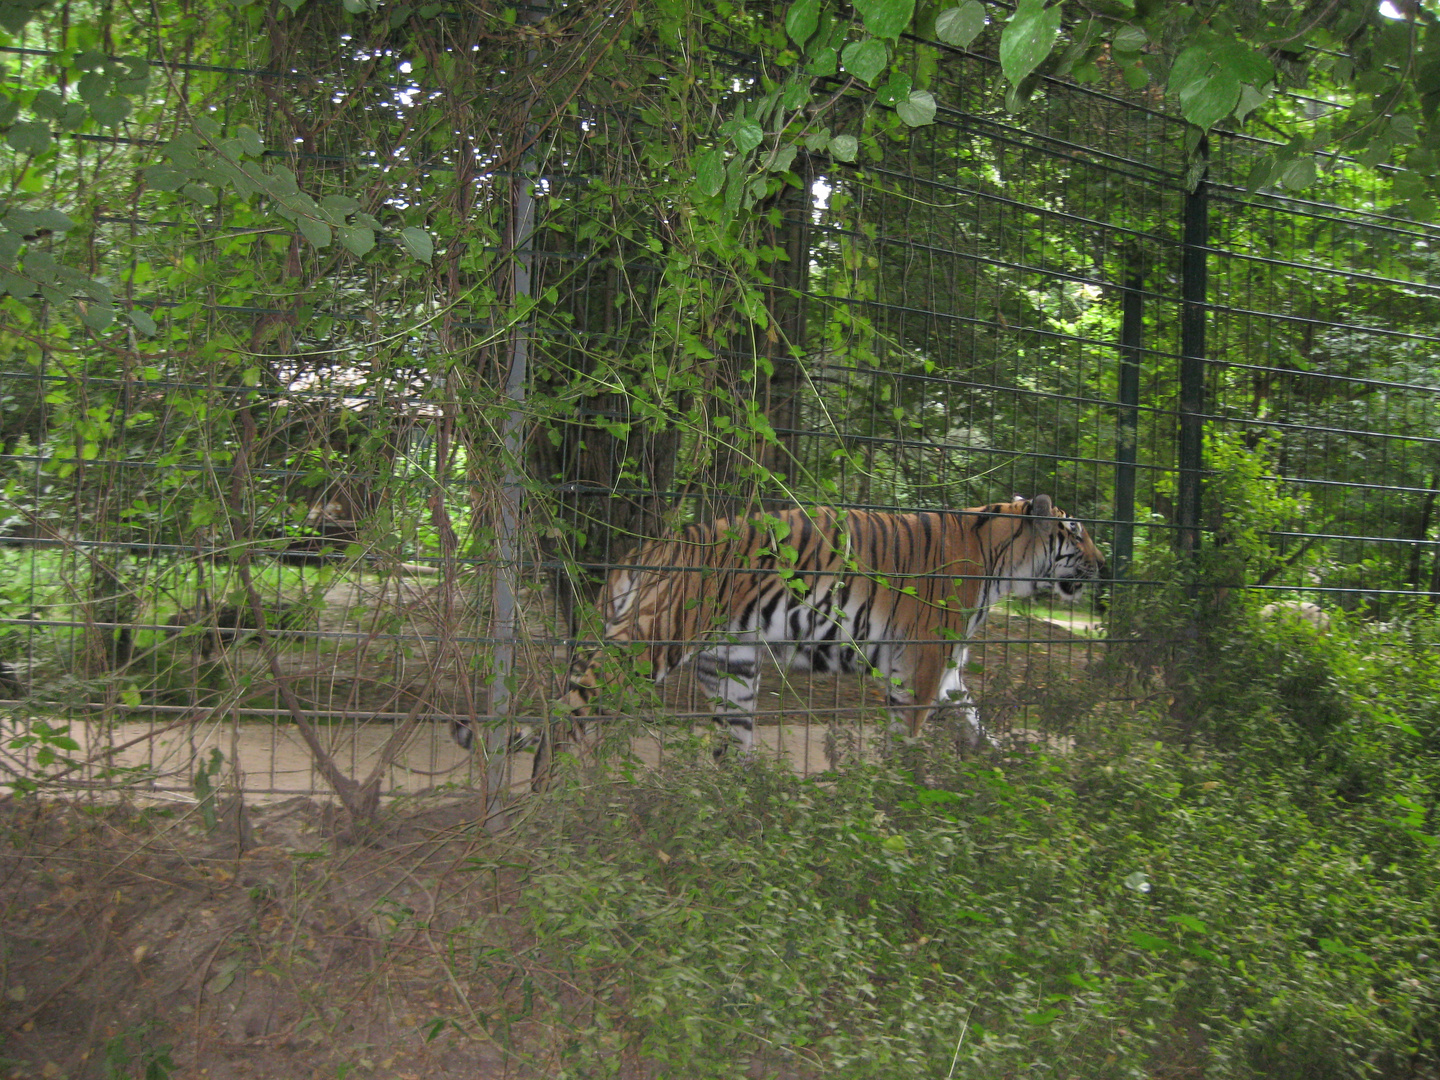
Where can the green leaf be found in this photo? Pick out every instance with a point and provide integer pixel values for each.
(29, 137)
(13, 17)
(16, 285)
(41, 265)
(136, 78)
(1129, 38)
(1250, 100)
(94, 86)
(933, 796)
(224, 172)
(817, 141)
(844, 147)
(224, 975)
(97, 317)
(1243, 62)
(865, 59)
(143, 322)
(1299, 174)
(164, 178)
(802, 20)
(797, 93)
(338, 207)
(1191, 71)
(918, 109)
(825, 63)
(317, 232)
(281, 183)
(182, 150)
(1261, 174)
(110, 111)
(28, 221)
(782, 158)
(1149, 942)
(250, 140)
(418, 243)
(1208, 101)
(47, 104)
(959, 26)
(1189, 922)
(1137, 75)
(896, 89)
(358, 240)
(1028, 38)
(886, 19)
(201, 194)
(745, 134)
(1376, 152)
(1216, 76)
(710, 171)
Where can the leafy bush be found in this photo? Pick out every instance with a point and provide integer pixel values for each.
(1124, 914)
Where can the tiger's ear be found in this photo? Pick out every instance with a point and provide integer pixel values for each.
(1041, 506)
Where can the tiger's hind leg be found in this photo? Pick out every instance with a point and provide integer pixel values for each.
(730, 676)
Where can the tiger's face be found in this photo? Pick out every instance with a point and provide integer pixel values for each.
(1068, 559)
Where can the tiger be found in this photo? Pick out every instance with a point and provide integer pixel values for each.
(898, 595)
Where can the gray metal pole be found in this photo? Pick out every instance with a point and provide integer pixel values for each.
(512, 490)
(1193, 296)
(1127, 419)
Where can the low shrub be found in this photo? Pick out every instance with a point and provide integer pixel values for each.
(1137, 912)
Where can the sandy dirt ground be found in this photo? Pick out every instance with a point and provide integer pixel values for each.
(376, 655)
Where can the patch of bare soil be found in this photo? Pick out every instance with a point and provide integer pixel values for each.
(144, 944)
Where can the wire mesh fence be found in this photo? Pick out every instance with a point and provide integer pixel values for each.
(307, 507)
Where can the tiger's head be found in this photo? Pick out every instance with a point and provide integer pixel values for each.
(1063, 558)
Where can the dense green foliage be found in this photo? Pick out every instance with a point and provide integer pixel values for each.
(1128, 910)
(237, 237)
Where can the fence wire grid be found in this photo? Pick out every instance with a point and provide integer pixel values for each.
(333, 505)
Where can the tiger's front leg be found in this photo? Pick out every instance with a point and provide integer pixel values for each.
(730, 676)
(913, 696)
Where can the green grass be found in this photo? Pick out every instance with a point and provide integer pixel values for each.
(1079, 618)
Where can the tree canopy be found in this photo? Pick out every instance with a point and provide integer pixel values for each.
(258, 258)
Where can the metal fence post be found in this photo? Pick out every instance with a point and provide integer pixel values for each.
(1193, 296)
(512, 492)
(1127, 419)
